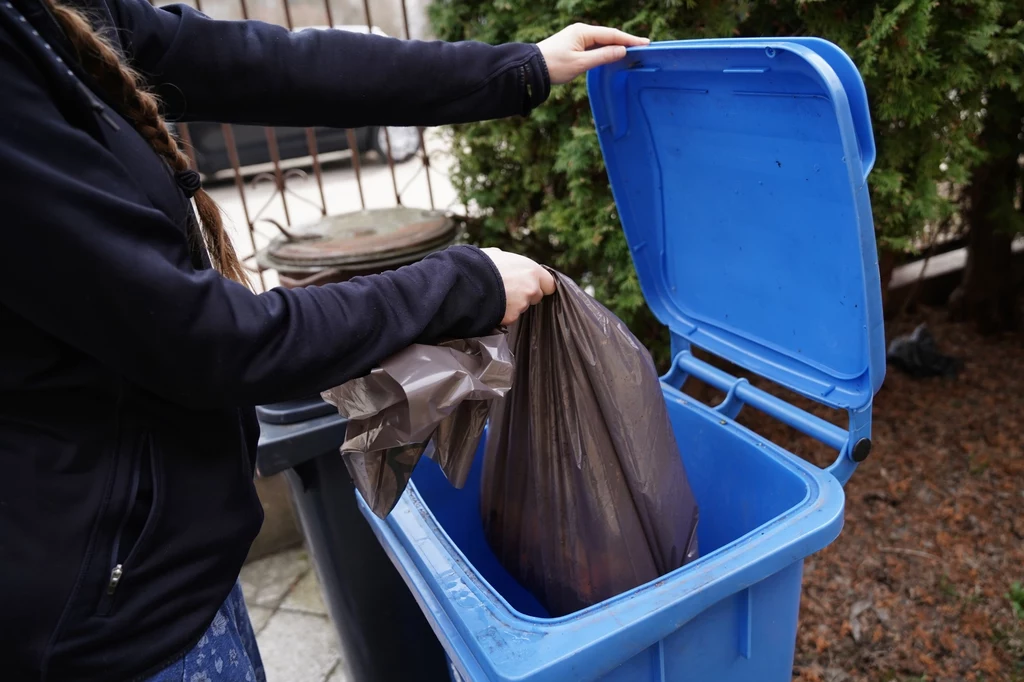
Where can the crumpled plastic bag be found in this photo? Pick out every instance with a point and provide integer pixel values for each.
(918, 355)
(584, 495)
(424, 392)
(583, 491)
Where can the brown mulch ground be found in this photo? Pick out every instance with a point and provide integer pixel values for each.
(916, 587)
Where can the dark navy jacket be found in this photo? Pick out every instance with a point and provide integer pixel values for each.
(127, 368)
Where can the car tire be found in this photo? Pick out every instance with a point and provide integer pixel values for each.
(405, 142)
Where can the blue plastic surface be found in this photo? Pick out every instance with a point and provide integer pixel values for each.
(730, 616)
(739, 170)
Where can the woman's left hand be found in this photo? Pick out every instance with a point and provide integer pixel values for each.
(568, 53)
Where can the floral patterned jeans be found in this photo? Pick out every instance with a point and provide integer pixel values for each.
(227, 651)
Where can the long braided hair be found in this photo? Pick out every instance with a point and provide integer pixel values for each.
(128, 90)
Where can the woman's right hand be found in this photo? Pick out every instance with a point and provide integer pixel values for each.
(526, 283)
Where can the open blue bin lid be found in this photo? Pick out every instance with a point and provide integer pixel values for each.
(739, 170)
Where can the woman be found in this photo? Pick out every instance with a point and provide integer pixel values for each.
(132, 349)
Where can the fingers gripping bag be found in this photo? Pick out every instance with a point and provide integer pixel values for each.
(583, 493)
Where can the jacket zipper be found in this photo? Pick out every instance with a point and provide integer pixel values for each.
(116, 567)
(115, 578)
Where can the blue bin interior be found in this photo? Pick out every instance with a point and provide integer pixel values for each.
(739, 486)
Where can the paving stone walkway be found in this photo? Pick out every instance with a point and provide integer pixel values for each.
(297, 641)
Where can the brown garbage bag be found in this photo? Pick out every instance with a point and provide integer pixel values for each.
(441, 392)
(583, 494)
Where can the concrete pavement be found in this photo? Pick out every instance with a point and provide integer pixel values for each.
(295, 635)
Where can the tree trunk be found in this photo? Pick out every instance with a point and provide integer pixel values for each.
(988, 294)
(886, 265)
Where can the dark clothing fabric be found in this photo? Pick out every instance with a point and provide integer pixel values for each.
(128, 366)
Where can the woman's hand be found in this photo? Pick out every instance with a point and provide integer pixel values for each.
(568, 53)
(526, 283)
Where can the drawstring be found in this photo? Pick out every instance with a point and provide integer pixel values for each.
(90, 99)
(187, 180)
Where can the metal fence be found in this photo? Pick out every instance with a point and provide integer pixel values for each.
(296, 181)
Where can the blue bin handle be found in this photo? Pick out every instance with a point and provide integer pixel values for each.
(853, 445)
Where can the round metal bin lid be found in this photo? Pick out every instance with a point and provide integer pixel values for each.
(379, 236)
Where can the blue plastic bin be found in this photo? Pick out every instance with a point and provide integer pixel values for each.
(739, 172)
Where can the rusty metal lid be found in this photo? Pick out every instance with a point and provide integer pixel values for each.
(379, 237)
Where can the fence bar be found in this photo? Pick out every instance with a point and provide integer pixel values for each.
(310, 133)
(232, 150)
(387, 138)
(423, 139)
(349, 134)
(274, 148)
(355, 165)
(405, 20)
(391, 166)
(236, 166)
(229, 138)
(311, 143)
(288, 15)
(275, 158)
(426, 165)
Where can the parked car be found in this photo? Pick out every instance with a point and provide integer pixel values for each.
(211, 152)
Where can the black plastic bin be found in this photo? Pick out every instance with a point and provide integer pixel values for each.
(384, 635)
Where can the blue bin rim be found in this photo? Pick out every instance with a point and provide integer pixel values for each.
(624, 620)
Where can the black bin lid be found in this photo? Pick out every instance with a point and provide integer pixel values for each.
(294, 411)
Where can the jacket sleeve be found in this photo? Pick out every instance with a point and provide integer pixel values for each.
(120, 287)
(256, 73)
